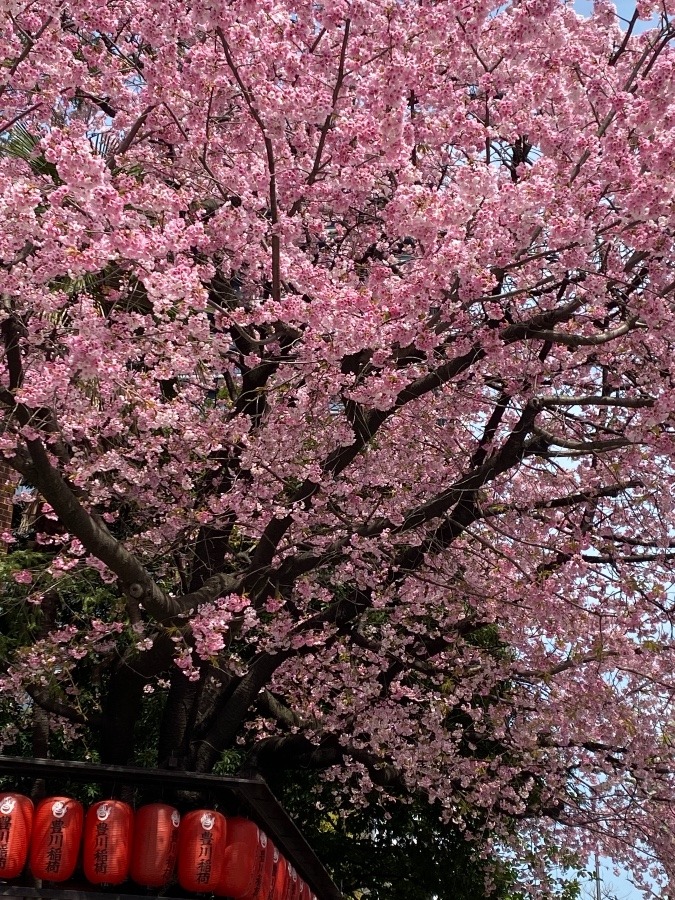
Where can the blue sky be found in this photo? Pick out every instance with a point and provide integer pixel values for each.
(625, 8)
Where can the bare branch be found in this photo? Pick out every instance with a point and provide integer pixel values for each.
(316, 167)
(5, 126)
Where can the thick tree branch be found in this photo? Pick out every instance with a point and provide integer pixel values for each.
(526, 330)
(593, 400)
(56, 707)
(463, 494)
(122, 703)
(296, 751)
(234, 710)
(338, 461)
(96, 538)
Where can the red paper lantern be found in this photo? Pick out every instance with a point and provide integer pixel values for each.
(155, 847)
(282, 880)
(55, 843)
(16, 821)
(245, 859)
(265, 891)
(108, 833)
(294, 893)
(277, 859)
(201, 845)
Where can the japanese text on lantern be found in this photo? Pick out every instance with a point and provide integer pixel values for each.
(55, 846)
(205, 850)
(101, 849)
(5, 825)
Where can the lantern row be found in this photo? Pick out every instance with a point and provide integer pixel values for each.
(210, 853)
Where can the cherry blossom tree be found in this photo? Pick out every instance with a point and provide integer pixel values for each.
(338, 351)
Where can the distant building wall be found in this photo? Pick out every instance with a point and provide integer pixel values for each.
(8, 479)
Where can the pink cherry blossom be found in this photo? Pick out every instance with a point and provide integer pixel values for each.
(338, 349)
